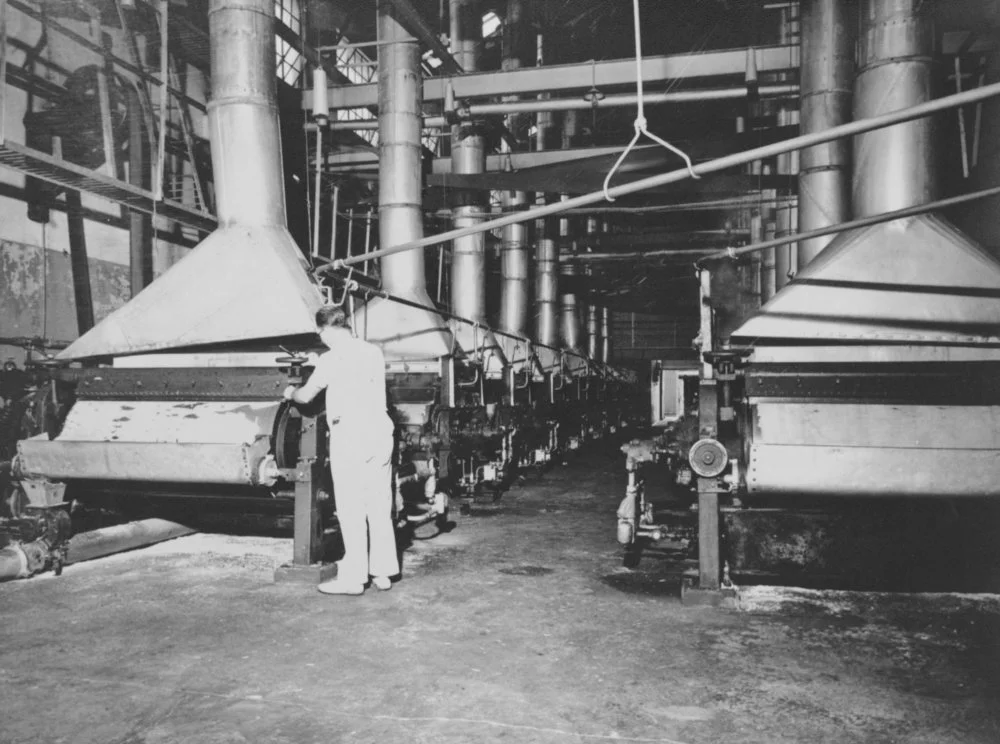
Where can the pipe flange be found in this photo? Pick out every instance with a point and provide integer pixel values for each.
(708, 458)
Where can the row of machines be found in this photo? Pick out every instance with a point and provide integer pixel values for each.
(193, 430)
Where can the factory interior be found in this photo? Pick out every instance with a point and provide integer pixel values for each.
(690, 319)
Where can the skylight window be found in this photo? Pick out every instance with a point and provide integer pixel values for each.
(490, 24)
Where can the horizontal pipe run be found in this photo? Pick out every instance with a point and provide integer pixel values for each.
(713, 166)
(107, 540)
(580, 104)
(875, 219)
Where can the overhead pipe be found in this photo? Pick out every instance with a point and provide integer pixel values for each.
(468, 156)
(827, 79)
(859, 126)
(549, 105)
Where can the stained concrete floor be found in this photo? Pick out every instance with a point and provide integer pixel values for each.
(520, 626)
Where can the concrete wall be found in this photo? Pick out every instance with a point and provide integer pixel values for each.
(36, 287)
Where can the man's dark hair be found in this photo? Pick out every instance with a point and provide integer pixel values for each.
(332, 317)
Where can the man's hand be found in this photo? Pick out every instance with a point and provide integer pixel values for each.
(289, 393)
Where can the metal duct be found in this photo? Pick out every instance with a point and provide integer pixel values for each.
(569, 310)
(248, 279)
(785, 262)
(916, 280)
(591, 310)
(404, 332)
(605, 335)
(546, 284)
(468, 156)
(514, 268)
(514, 295)
(593, 332)
(546, 249)
(894, 167)
(827, 74)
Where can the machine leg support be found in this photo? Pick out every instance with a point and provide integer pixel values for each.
(307, 550)
(705, 588)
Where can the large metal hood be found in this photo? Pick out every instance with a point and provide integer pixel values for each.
(240, 283)
(404, 332)
(917, 280)
(247, 280)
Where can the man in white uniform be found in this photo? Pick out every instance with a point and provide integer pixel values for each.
(361, 439)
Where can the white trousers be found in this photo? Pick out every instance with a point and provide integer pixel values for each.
(362, 490)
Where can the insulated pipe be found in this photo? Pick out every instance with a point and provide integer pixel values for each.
(243, 114)
(569, 310)
(894, 167)
(468, 156)
(548, 105)
(107, 540)
(400, 95)
(827, 74)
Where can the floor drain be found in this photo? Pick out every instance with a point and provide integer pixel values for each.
(526, 571)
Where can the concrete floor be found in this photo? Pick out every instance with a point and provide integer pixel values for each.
(521, 626)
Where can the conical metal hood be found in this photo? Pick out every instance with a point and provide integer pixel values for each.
(404, 332)
(247, 280)
(240, 283)
(915, 280)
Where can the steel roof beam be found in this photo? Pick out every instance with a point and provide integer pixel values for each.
(580, 76)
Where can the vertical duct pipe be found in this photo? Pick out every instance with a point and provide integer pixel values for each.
(546, 249)
(768, 266)
(785, 258)
(785, 266)
(400, 96)
(79, 262)
(514, 294)
(827, 75)
(140, 223)
(243, 114)
(546, 284)
(591, 310)
(593, 332)
(605, 355)
(468, 156)
(569, 310)
(894, 167)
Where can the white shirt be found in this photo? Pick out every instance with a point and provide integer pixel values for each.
(353, 374)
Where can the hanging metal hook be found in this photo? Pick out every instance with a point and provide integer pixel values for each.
(640, 125)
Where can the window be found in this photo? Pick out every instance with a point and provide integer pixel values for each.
(289, 59)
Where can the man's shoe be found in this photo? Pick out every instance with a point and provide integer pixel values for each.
(337, 586)
(382, 583)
